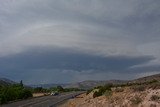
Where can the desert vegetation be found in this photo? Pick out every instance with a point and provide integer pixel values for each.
(101, 90)
(155, 97)
(132, 94)
(136, 100)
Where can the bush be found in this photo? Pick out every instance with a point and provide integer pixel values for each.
(38, 90)
(102, 90)
(88, 91)
(58, 89)
(154, 86)
(108, 86)
(108, 93)
(138, 88)
(25, 93)
(119, 89)
(136, 100)
(155, 97)
(14, 92)
(3, 99)
(97, 94)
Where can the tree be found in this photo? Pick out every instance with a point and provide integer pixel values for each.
(60, 89)
(21, 83)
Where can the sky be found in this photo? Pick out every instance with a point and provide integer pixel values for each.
(63, 41)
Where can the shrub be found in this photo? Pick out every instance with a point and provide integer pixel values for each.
(25, 93)
(154, 86)
(14, 92)
(138, 88)
(97, 94)
(3, 99)
(119, 90)
(57, 89)
(155, 97)
(38, 90)
(102, 90)
(108, 86)
(136, 100)
(108, 93)
(60, 89)
(153, 81)
(88, 91)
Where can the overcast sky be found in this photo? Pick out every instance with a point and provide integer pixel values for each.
(61, 41)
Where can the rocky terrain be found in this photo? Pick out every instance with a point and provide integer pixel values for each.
(126, 98)
(147, 78)
(142, 92)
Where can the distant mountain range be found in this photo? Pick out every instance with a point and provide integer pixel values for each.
(82, 85)
(93, 83)
(48, 85)
(87, 84)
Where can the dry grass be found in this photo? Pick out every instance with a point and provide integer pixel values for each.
(128, 96)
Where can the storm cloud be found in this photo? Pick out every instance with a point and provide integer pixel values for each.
(82, 39)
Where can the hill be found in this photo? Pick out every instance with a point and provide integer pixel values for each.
(81, 85)
(91, 84)
(147, 78)
(4, 82)
(47, 85)
(144, 92)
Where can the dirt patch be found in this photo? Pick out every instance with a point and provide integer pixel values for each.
(39, 94)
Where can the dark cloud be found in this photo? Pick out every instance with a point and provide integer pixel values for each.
(61, 59)
(38, 62)
(142, 69)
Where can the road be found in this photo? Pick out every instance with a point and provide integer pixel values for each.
(46, 101)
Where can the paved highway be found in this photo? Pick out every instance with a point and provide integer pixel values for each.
(46, 101)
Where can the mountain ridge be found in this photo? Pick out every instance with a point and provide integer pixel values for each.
(5, 81)
(87, 84)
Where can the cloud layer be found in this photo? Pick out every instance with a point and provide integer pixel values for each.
(76, 37)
